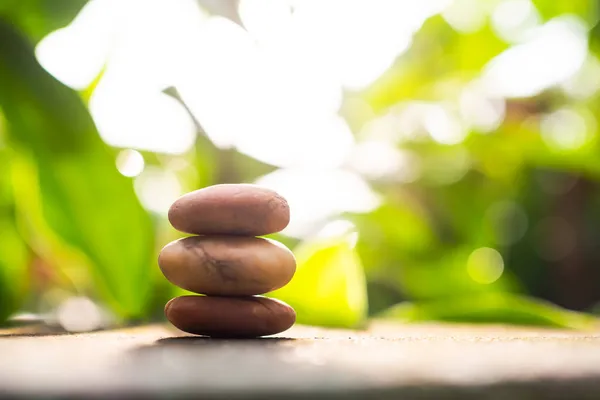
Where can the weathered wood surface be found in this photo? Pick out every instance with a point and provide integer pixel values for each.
(414, 361)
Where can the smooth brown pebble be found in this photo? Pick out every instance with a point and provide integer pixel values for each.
(230, 316)
(227, 265)
(231, 209)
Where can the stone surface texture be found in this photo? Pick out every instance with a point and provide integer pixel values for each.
(386, 361)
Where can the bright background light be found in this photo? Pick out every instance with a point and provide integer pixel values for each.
(280, 90)
(271, 90)
(550, 56)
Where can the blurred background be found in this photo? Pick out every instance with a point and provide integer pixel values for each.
(441, 158)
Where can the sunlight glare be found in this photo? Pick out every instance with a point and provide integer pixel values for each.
(157, 189)
(554, 53)
(485, 265)
(466, 16)
(480, 111)
(318, 195)
(319, 142)
(444, 126)
(514, 20)
(137, 52)
(76, 53)
(144, 120)
(80, 314)
(339, 228)
(244, 99)
(354, 57)
(386, 128)
(377, 159)
(564, 129)
(153, 41)
(410, 120)
(218, 81)
(585, 83)
(130, 163)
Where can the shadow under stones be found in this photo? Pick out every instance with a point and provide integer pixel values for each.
(184, 346)
(206, 340)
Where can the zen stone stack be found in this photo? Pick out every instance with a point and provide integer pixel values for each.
(227, 264)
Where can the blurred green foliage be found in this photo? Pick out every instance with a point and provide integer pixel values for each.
(490, 308)
(83, 198)
(331, 271)
(14, 262)
(37, 18)
(66, 173)
(69, 219)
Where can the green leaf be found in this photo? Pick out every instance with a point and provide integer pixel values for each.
(15, 255)
(37, 18)
(329, 287)
(491, 308)
(84, 198)
(13, 268)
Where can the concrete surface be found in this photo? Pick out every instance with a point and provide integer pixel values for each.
(388, 361)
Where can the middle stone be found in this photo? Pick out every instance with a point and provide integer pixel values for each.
(227, 265)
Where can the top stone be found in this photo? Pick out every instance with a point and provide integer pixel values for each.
(230, 209)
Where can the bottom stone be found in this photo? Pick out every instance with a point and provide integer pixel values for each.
(252, 316)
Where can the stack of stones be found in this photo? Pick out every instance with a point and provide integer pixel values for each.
(227, 264)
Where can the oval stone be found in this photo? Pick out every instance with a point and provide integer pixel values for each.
(230, 316)
(227, 265)
(231, 209)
